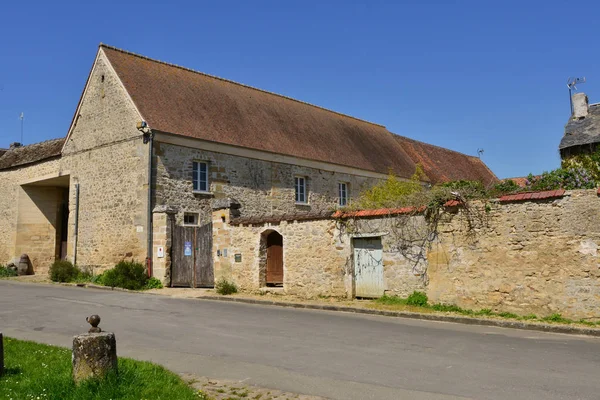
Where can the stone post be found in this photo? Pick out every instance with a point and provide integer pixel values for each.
(94, 353)
(222, 212)
(1, 354)
(162, 225)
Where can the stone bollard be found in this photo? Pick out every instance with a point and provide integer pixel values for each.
(1, 354)
(24, 267)
(94, 353)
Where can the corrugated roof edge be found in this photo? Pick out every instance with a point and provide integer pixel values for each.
(237, 83)
(528, 196)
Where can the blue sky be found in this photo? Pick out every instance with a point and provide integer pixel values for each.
(463, 75)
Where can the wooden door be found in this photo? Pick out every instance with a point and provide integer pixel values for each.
(368, 267)
(204, 273)
(274, 259)
(191, 257)
(182, 256)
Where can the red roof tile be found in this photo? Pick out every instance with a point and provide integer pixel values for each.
(445, 165)
(180, 101)
(549, 194)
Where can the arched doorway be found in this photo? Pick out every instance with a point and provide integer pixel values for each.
(274, 267)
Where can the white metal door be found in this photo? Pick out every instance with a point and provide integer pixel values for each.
(368, 267)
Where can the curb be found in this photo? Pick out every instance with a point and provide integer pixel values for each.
(565, 329)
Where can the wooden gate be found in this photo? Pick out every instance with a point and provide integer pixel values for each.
(368, 267)
(274, 259)
(192, 261)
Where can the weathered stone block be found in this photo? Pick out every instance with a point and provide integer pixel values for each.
(94, 355)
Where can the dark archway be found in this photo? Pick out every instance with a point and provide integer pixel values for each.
(274, 259)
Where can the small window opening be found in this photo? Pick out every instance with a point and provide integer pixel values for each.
(190, 219)
(223, 219)
(343, 194)
(102, 78)
(200, 176)
(300, 188)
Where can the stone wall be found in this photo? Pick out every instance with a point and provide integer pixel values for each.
(261, 187)
(532, 257)
(536, 257)
(317, 257)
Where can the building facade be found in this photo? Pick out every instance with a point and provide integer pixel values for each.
(155, 148)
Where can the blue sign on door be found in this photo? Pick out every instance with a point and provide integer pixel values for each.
(187, 249)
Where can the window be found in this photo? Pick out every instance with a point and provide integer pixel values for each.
(190, 218)
(200, 176)
(300, 184)
(343, 194)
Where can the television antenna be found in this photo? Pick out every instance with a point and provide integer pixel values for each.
(571, 84)
(479, 152)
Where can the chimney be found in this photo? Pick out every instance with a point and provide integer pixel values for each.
(14, 145)
(580, 106)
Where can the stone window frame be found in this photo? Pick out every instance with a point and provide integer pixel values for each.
(195, 218)
(344, 200)
(197, 176)
(304, 186)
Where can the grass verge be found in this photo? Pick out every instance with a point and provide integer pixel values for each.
(37, 371)
(395, 303)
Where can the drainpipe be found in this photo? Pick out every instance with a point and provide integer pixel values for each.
(76, 223)
(143, 127)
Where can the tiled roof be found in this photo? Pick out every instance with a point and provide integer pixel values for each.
(549, 194)
(279, 218)
(445, 165)
(31, 153)
(180, 101)
(378, 212)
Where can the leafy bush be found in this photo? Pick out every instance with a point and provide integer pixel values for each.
(387, 194)
(505, 187)
(63, 271)
(417, 299)
(6, 272)
(98, 279)
(153, 283)
(225, 287)
(562, 178)
(468, 189)
(126, 275)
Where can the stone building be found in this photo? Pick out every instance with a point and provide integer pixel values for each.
(154, 150)
(582, 132)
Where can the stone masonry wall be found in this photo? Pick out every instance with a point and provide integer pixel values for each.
(317, 258)
(262, 187)
(536, 257)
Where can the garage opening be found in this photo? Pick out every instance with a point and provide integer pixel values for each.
(42, 222)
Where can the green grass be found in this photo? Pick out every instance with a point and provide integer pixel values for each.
(406, 304)
(37, 371)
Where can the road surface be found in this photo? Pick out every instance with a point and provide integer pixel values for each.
(336, 355)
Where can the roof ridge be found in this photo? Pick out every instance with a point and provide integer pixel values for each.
(33, 144)
(235, 83)
(439, 147)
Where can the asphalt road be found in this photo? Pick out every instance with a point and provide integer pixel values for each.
(336, 355)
